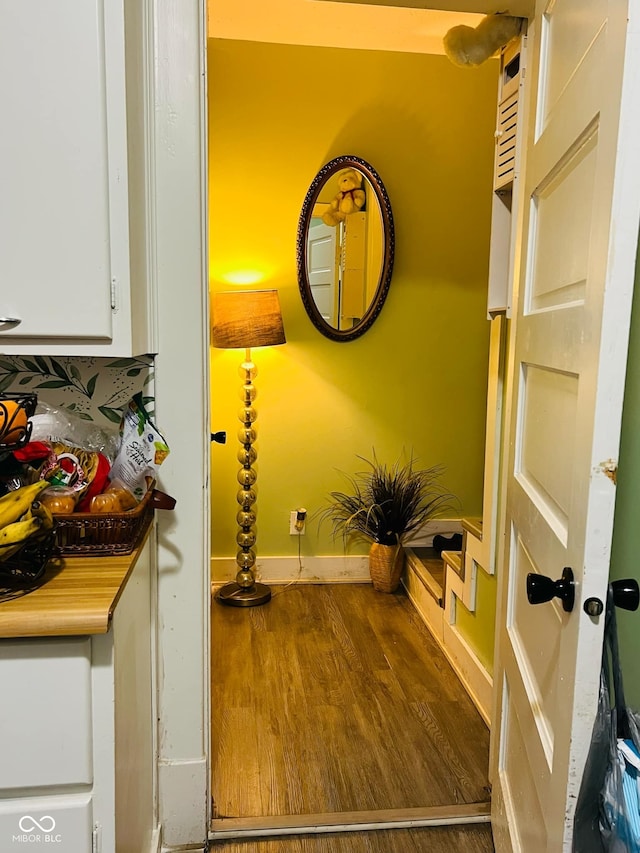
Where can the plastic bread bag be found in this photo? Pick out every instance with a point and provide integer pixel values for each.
(66, 426)
(142, 450)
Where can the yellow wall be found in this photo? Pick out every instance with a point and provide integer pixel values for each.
(417, 380)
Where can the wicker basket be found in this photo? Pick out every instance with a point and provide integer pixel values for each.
(386, 563)
(103, 534)
(25, 568)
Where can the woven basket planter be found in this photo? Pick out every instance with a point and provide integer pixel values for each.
(386, 563)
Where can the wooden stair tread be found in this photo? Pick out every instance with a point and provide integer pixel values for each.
(473, 526)
(429, 568)
(455, 560)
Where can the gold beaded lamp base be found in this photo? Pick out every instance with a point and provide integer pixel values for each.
(245, 591)
(238, 596)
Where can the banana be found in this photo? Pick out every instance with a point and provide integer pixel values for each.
(16, 534)
(14, 504)
(41, 511)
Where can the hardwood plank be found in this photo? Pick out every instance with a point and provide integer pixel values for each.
(451, 732)
(349, 703)
(236, 765)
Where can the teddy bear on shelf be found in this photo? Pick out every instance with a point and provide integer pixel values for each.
(350, 199)
(467, 47)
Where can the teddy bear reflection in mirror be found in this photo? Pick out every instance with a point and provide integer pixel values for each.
(350, 199)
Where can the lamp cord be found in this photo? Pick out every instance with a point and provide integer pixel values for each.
(299, 575)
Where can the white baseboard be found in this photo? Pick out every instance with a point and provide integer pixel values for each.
(155, 845)
(329, 569)
(276, 570)
(472, 674)
(182, 788)
(474, 677)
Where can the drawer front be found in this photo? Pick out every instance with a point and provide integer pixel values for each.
(45, 713)
(46, 823)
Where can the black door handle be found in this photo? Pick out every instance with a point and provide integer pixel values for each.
(541, 589)
(626, 593)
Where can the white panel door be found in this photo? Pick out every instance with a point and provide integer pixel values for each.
(321, 263)
(578, 231)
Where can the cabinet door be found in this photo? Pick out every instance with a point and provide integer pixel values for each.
(63, 169)
(45, 713)
(34, 824)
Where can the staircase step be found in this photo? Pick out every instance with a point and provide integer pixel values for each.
(473, 526)
(455, 560)
(429, 568)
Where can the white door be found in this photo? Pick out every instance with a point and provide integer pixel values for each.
(575, 258)
(321, 263)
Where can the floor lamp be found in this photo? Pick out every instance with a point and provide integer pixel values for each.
(246, 319)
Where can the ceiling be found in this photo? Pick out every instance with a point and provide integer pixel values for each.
(386, 25)
(513, 7)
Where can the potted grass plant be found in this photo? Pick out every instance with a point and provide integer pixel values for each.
(384, 504)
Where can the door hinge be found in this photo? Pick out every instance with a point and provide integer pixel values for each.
(114, 294)
(96, 839)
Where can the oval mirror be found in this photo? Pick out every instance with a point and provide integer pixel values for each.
(345, 248)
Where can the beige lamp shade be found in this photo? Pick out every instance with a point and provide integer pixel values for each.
(246, 318)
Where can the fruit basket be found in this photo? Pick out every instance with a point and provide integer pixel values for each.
(25, 568)
(107, 534)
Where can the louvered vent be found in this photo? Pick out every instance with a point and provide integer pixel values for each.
(507, 121)
(506, 141)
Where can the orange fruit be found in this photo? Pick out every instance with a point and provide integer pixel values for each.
(13, 422)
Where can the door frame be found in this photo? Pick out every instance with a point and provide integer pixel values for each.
(177, 228)
(178, 252)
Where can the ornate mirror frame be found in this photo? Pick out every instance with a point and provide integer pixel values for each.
(374, 308)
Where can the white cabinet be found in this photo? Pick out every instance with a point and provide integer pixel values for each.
(46, 705)
(72, 229)
(77, 718)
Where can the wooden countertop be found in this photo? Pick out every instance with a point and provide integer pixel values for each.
(78, 597)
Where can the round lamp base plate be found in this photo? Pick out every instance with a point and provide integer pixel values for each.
(236, 596)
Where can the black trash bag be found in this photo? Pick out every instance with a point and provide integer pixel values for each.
(607, 818)
(586, 827)
(620, 803)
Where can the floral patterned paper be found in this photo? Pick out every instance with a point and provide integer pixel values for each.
(95, 389)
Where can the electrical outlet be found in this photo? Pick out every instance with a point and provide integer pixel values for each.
(297, 522)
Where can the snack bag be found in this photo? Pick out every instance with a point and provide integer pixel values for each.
(142, 450)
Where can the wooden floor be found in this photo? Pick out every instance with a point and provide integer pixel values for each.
(470, 839)
(336, 698)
